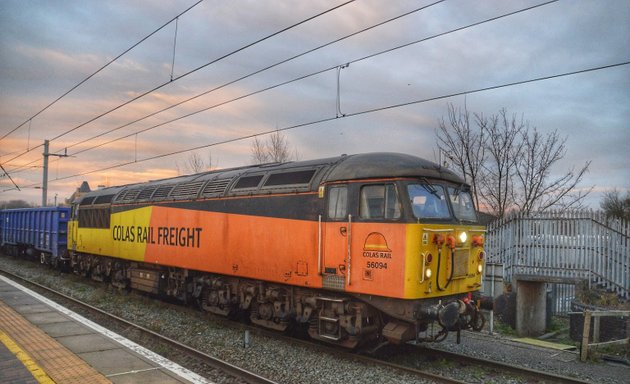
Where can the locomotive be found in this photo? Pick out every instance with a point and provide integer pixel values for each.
(354, 250)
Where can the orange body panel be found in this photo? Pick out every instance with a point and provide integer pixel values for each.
(271, 249)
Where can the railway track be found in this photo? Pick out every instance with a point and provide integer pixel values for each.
(218, 364)
(230, 369)
(385, 359)
(535, 375)
(494, 368)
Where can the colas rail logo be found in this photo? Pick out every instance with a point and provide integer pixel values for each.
(375, 246)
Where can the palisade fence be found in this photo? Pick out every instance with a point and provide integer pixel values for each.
(566, 247)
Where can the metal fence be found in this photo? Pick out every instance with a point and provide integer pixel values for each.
(563, 246)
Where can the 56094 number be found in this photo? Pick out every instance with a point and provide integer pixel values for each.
(376, 265)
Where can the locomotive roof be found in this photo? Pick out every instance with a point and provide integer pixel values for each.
(385, 164)
(295, 176)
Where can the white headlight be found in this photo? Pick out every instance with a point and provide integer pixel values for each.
(480, 268)
(428, 273)
(463, 237)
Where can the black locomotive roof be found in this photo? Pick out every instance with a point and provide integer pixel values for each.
(295, 176)
(385, 164)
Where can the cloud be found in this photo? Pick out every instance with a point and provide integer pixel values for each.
(47, 47)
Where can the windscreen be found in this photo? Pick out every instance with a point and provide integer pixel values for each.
(432, 201)
(428, 201)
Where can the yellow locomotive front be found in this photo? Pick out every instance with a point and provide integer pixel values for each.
(445, 257)
(446, 241)
(412, 247)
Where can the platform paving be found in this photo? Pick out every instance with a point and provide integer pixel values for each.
(69, 350)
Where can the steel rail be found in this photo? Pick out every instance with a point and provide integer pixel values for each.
(541, 376)
(218, 364)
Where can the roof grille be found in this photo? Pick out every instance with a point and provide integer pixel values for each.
(290, 178)
(186, 190)
(146, 193)
(248, 182)
(104, 199)
(87, 201)
(215, 187)
(162, 192)
(129, 195)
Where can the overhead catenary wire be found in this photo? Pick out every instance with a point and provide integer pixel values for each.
(319, 72)
(417, 41)
(99, 70)
(255, 73)
(162, 85)
(360, 113)
(349, 115)
(24, 166)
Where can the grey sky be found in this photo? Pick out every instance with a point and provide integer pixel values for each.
(46, 47)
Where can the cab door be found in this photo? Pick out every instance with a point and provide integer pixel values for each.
(73, 227)
(337, 238)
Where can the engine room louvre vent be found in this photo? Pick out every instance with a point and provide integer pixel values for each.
(103, 199)
(290, 178)
(162, 192)
(186, 190)
(146, 193)
(215, 187)
(248, 182)
(87, 201)
(128, 195)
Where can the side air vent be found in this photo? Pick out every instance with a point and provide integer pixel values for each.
(186, 190)
(162, 192)
(87, 201)
(248, 182)
(129, 195)
(104, 199)
(290, 178)
(146, 193)
(215, 188)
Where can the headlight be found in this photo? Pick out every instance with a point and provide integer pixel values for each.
(463, 237)
(480, 268)
(428, 273)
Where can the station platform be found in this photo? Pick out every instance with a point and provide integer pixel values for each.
(43, 342)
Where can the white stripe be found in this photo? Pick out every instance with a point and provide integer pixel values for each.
(162, 361)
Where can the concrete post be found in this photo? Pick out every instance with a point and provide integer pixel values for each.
(531, 309)
(45, 176)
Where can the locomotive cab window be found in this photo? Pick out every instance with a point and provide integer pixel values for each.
(462, 204)
(379, 202)
(338, 202)
(428, 201)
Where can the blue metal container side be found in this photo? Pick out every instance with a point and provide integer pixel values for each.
(45, 229)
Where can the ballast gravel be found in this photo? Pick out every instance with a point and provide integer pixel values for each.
(286, 362)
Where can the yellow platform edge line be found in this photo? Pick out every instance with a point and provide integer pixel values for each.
(38, 373)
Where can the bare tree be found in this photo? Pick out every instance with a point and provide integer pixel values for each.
(194, 164)
(508, 164)
(498, 169)
(536, 190)
(274, 150)
(615, 206)
(463, 146)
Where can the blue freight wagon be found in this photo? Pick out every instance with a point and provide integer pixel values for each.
(41, 232)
